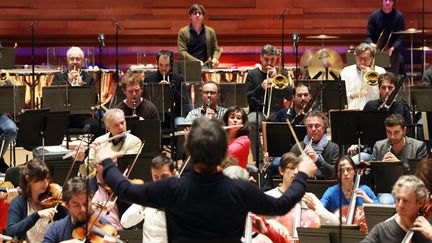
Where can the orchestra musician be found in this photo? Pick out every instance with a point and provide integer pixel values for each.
(288, 169)
(28, 216)
(257, 82)
(165, 75)
(239, 144)
(345, 170)
(383, 22)
(427, 77)
(198, 42)
(135, 104)
(210, 94)
(302, 95)
(358, 92)
(397, 146)
(216, 205)
(411, 195)
(154, 226)
(317, 145)
(74, 75)
(77, 199)
(422, 222)
(8, 132)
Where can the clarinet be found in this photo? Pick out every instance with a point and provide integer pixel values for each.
(134, 107)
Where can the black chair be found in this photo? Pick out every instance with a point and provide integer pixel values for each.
(13, 175)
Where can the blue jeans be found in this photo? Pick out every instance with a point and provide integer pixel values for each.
(8, 132)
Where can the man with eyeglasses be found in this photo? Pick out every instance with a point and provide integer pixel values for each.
(198, 42)
(210, 93)
(317, 145)
(357, 91)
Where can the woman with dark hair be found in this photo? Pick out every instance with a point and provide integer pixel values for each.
(239, 144)
(345, 169)
(27, 217)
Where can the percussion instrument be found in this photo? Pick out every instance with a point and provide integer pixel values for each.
(236, 75)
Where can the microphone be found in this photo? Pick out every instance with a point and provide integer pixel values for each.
(295, 38)
(101, 39)
(282, 14)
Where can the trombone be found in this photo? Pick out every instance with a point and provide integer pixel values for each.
(278, 82)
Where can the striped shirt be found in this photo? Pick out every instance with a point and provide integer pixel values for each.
(200, 111)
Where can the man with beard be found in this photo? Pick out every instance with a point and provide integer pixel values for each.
(78, 201)
(302, 96)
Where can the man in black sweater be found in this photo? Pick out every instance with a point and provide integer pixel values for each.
(205, 205)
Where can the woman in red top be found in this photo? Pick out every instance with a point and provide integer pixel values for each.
(239, 144)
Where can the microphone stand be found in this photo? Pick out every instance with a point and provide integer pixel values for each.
(282, 18)
(295, 43)
(258, 106)
(101, 40)
(33, 81)
(117, 75)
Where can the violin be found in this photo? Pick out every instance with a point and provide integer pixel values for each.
(7, 189)
(352, 213)
(299, 217)
(97, 231)
(51, 197)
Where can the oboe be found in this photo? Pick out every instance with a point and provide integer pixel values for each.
(134, 107)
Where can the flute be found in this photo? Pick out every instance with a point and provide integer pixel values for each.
(74, 152)
(182, 133)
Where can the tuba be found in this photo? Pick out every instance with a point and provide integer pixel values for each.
(371, 77)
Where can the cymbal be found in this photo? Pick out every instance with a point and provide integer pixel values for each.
(410, 31)
(322, 37)
(307, 57)
(425, 48)
(325, 58)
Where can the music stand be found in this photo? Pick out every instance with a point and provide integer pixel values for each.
(421, 97)
(160, 96)
(330, 234)
(385, 175)
(141, 170)
(357, 127)
(31, 128)
(233, 94)
(190, 70)
(77, 100)
(148, 130)
(7, 58)
(377, 213)
(318, 187)
(277, 137)
(12, 99)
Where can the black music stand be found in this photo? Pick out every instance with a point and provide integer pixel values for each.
(142, 168)
(149, 131)
(330, 234)
(190, 70)
(12, 99)
(421, 97)
(385, 175)
(333, 95)
(7, 58)
(77, 100)
(233, 94)
(278, 139)
(160, 96)
(32, 124)
(377, 213)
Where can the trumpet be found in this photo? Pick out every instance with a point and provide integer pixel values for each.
(75, 76)
(371, 76)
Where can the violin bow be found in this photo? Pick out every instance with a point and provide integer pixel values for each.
(126, 173)
(294, 135)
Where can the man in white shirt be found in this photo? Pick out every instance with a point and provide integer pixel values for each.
(359, 92)
(154, 227)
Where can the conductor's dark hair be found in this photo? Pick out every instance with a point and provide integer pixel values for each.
(207, 142)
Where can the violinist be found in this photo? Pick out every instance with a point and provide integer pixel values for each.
(317, 145)
(28, 217)
(302, 95)
(386, 85)
(346, 172)
(411, 195)
(77, 199)
(154, 227)
(288, 170)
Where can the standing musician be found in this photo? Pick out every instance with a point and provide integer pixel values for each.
(397, 146)
(216, 205)
(154, 227)
(239, 144)
(210, 94)
(8, 132)
(29, 215)
(317, 146)
(386, 85)
(75, 76)
(165, 75)
(359, 92)
(411, 196)
(382, 22)
(288, 169)
(198, 42)
(77, 199)
(345, 171)
(257, 82)
(134, 104)
(302, 96)
(116, 124)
